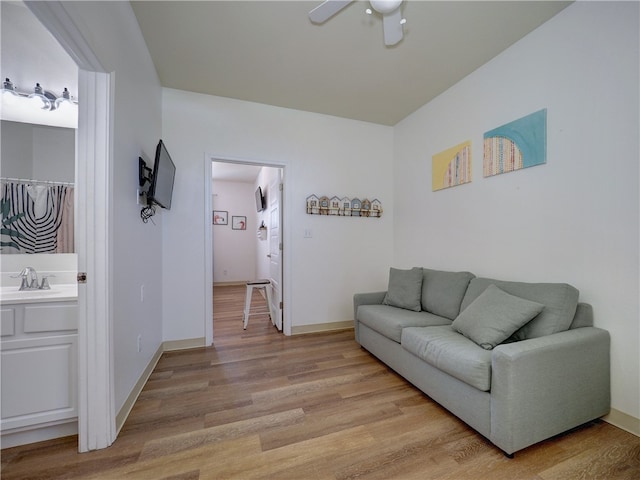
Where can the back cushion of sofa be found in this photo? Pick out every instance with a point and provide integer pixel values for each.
(560, 301)
(442, 292)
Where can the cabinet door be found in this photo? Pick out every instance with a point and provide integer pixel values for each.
(39, 381)
(7, 322)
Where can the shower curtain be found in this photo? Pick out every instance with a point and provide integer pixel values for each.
(36, 218)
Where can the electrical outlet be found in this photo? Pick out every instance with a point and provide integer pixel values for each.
(139, 343)
(224, 272)
(308, 233)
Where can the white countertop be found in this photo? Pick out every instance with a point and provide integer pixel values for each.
(58, 293)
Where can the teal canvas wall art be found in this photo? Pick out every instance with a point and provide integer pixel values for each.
(516, 145)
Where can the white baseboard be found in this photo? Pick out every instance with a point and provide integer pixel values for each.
(168, 346)
(172, 345)
(122, 415)
(624, 421)
(322, 327)
(38, 434)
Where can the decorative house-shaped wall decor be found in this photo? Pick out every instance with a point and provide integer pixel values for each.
(334, 206)
(313, 205)
(356, 205)
(324, 205)
(345, 209)
(376, 208)
(343, 206)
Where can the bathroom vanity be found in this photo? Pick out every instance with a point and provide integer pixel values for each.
(38, 358)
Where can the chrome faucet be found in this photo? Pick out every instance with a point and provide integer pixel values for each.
(29, 279)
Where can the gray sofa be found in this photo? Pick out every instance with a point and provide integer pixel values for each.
(517, 382)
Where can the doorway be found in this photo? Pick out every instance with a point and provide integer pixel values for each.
(245, 224)
(96, 410)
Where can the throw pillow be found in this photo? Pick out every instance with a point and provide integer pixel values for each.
(494, 316)
(442, 292)
(405, 288)
(560, 301)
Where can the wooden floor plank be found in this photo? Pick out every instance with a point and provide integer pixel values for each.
(261, 405)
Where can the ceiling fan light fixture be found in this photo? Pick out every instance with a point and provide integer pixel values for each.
(390, 11)
(385, 6)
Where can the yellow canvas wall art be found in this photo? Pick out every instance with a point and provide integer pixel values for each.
(451, 167)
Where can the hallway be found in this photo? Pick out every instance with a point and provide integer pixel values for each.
(228, 306)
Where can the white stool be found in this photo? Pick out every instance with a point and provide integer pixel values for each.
(266, 284)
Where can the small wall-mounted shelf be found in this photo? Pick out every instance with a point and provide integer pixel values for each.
(343, 207)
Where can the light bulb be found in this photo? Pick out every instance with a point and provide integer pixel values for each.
(63, 100)
(38, 99)
(9, 94)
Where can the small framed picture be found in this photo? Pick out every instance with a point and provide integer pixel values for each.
(239, 223)
(220, 217)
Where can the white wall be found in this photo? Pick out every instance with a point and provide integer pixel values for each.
(574, 219)
(320, 154)
(136, 255)
(234, 251)
(38, 152)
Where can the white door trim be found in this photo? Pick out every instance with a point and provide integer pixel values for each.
(96, 419)
(208, 253)
(208, 240)
(96, 406)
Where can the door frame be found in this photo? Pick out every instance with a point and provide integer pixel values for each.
(96, 404)
(209, 158)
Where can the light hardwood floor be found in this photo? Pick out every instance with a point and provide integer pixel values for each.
(262, 405)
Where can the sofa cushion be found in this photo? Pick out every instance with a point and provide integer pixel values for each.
(494, 316)
(450, 352)
(405, 288)
(389, 321)
(442, 292)
(559, 299)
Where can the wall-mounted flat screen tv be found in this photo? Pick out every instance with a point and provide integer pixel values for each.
(164, 172)
(260, 203)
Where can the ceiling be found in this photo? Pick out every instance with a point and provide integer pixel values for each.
(269, 52)
(234, 172)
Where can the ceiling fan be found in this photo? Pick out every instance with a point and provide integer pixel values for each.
(392, 20)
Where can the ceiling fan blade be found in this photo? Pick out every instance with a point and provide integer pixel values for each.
(326, 10)
(392, 27)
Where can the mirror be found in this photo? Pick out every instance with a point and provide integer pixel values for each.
(36, 188)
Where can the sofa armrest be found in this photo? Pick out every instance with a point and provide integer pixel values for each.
(544, 386)
(370, 298)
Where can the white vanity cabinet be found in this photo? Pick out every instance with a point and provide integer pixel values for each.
(38, 358)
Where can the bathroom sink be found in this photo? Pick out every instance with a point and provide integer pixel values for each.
(15, 294)
(57, 292)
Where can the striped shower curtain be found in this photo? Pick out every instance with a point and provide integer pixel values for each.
(36, 218)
